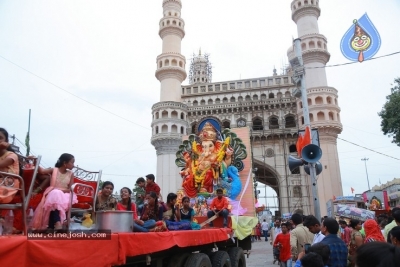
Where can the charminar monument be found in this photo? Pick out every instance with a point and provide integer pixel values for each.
(264, 104)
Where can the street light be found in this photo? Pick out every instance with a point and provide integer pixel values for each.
(366, 171)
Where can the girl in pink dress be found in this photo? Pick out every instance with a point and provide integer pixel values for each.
(51, 211)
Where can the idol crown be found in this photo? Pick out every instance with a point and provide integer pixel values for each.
(208, 133)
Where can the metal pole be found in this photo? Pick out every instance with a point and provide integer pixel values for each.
(366, 171)
(306, 114)
(27, 139)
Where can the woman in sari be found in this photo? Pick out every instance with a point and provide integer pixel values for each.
(372, 231)
(9, 163)
(51, 211)
(105, 200)
(356, 240)
(258, 231)
(126, 202)
(151, 219)
(8, 159)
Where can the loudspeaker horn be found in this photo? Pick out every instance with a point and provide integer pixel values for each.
(311, 153)
(294, 162)
(318, 168)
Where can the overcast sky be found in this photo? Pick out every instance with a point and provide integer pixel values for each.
(86, 69)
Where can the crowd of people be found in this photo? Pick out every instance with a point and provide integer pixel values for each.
(309, 242)
(150, 212)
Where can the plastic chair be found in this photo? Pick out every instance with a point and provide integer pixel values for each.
(85, 187)
(30, 167)
(21, 199)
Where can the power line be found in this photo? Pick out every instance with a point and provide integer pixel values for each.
(66, 91)
(353, 62)
(368, 149)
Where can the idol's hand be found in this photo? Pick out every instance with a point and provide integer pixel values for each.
(229, 151)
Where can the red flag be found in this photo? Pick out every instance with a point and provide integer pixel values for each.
(352, 190)
(304, 140)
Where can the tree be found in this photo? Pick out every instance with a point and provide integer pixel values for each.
(390, 114)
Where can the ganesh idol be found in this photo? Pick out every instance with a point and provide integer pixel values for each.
(208, 164)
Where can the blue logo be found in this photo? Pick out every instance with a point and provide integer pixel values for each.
(361, 41)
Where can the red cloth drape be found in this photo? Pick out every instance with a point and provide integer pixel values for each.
(19, 251)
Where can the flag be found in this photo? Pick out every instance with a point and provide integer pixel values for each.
(303, 140)
(352, 190)
(28, 148)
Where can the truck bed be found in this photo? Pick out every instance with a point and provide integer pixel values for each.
(21, 251)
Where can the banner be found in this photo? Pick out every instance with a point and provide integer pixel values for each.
(354, 213)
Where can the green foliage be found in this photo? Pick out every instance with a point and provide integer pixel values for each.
(390, 114)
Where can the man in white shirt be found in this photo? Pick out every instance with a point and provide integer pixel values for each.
(314, 226)
(264, 228)
(274, 232)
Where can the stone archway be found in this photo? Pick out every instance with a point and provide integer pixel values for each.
(269, 176)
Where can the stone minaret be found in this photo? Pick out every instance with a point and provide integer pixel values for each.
(200, 69)
(322, 99)
(169, 115)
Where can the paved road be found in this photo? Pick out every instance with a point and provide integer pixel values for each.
(261, 255)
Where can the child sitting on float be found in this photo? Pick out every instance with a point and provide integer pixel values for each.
(151, 218)
(51, 211)
(126, 202)
(172, 216)
(172, 210)
(187, 213)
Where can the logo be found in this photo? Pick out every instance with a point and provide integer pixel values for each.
(361, 41)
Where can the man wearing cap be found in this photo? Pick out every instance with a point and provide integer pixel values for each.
(219, 204)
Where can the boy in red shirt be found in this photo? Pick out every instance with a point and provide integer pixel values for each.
(151, 186)
(282, 241)
(219, 203)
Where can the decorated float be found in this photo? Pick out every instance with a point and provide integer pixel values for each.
(209, 160)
